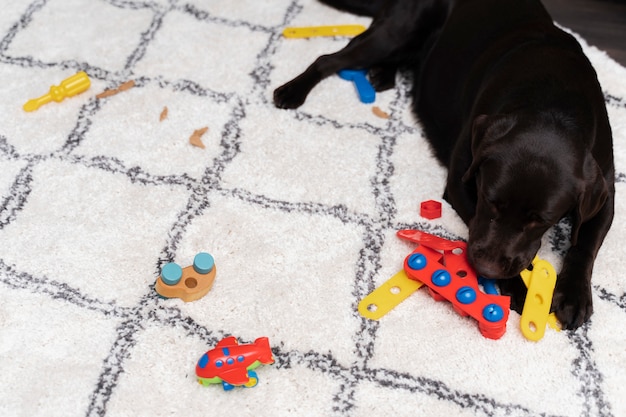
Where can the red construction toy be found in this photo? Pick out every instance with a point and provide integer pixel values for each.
(442, 266)
(430, 209)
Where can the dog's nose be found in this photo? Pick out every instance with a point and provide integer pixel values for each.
(489, 265)
(484, 265)
(489, 269)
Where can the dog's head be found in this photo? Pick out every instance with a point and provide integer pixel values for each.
(529, 173)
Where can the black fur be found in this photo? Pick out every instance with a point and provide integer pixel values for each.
(512, 107)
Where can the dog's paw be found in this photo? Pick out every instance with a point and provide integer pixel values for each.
(572, 303)
(514, 288)
(289, 96)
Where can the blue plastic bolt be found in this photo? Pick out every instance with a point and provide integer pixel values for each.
(493, 313)
(466, 295)
(171, 274)
(203, 263)
(489, 285)
(441, 278)
(417, 261)
(366, 92)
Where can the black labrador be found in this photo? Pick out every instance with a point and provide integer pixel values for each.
(513, 108)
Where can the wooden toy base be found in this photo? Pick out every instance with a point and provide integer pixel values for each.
(192, 285)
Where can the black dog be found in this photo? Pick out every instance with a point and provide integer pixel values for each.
(512, 107)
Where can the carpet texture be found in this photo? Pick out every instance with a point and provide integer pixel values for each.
(298, 208)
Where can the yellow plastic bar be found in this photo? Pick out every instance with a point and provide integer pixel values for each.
(391, 293)
(554, 322)
(312, 31)
(69, 87)
(536, 313)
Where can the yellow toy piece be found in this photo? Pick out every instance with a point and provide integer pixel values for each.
(391, 293)
(553, 322)
(312, 31)
(69, 87)
(536, 313)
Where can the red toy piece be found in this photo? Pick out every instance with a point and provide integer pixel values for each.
(449, 276)
(232, 364)
(430, 209)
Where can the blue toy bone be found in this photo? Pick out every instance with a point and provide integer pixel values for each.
(489, 285)
(366, 92)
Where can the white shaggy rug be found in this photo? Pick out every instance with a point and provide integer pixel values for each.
(298, 208)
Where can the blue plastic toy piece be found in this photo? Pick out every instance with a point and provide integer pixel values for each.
(493, 313)
(417, 261)
(171, 274)
(466, 295)
(489, 285)
(441, 278)
(366, 92)
(203, 263)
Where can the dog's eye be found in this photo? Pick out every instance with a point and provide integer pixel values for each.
(488, 201)
(534, 220)
(495, 206)
(493, 211)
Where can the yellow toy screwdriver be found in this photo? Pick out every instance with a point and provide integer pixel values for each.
(69, 87)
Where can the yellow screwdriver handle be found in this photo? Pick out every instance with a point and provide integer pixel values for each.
(69, 87)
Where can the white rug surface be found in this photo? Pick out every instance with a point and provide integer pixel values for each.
(298, 208)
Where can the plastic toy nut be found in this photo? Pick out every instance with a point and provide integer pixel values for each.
(190, 283)
(430, 209)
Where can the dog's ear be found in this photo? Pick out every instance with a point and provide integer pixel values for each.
(591, 197)
(486, 130)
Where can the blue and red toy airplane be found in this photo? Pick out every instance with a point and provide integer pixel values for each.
(232, 364)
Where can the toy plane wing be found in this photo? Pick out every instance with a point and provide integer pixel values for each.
(236, 376)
